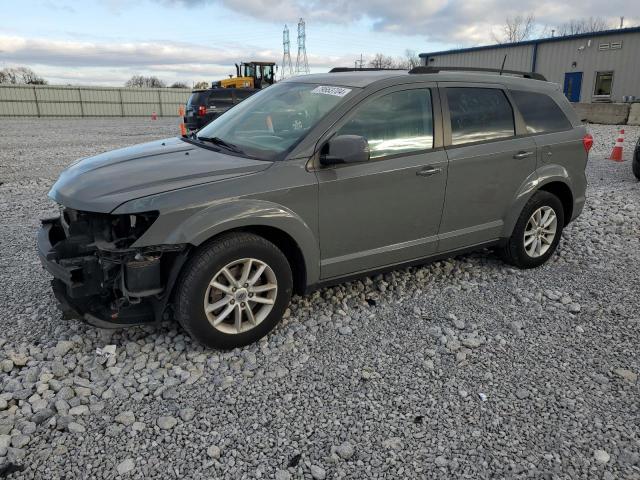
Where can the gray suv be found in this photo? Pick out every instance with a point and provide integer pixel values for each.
(309, 182)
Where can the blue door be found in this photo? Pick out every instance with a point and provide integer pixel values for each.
(572, 86)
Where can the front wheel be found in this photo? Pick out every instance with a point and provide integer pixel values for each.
(233, 291)
(537, 232)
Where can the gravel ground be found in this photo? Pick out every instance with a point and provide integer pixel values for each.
(463, 368)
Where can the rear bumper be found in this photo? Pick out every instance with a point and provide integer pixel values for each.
(578, 206)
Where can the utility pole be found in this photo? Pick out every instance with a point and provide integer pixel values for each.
(287, 68)
(302, 64)
(621, 22)
(358, 63)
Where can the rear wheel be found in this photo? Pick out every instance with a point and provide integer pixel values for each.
(537, 232)
(233, 291)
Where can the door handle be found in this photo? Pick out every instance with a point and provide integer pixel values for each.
(428, 171)
(522, 155)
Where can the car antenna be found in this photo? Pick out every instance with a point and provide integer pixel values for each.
(503, 62)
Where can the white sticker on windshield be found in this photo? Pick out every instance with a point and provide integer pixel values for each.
(335, 91)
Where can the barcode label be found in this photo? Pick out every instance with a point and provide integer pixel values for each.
(335, 91)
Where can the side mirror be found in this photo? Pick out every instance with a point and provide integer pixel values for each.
(345, 149)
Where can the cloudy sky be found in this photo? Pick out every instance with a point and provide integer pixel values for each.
(104, 42)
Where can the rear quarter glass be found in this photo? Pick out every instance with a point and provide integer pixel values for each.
(540, 112)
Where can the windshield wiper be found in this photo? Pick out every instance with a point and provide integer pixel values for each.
(218, 141)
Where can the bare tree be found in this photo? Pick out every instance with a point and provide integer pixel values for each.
(409, 61)
(179, 85)
(516, 29)
(201, 85)
(7, 76)
(382, 61)
(20, 75)
(142, 81)
(584, 25)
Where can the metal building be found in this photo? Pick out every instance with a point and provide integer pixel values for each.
(591, 67)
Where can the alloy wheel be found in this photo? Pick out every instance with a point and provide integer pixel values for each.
(240, 296)
(540, 231)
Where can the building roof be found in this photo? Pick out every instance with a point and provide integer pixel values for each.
(617, 31)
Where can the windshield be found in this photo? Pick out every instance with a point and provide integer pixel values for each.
(270, 123)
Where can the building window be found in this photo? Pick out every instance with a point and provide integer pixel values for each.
(604, 80)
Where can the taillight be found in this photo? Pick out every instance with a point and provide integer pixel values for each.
(202, 111)
(587, 141)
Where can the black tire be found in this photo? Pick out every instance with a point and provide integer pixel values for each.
(199, 271)
(514, 251)
(635, 166)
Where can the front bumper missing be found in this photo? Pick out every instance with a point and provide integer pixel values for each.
(100, 317)
(108, 289)
(80, 274)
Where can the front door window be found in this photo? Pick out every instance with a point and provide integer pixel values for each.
(399, 122)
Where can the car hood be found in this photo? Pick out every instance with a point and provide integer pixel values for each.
(103, 182)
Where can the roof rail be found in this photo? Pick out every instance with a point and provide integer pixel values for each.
(533, 75)
(365, 69)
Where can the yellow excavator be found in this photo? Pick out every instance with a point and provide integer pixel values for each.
(250, 75)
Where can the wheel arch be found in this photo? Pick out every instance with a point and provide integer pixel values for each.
(563, 192)
(287, 245)
(277, 224)
(556, 183)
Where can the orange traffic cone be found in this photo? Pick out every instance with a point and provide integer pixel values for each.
(616, 153)
(154, 116)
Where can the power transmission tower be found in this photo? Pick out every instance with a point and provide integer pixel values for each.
(287, 68)
(302, 64)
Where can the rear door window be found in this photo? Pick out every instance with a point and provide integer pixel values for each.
(479, 114)
(540, 112)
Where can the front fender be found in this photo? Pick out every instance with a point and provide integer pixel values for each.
(197, 226)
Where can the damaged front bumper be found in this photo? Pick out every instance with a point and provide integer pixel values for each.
(100, 277)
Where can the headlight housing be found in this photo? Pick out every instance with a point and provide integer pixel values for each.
(106, 230)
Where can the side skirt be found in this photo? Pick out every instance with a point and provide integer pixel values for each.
(397, 266)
